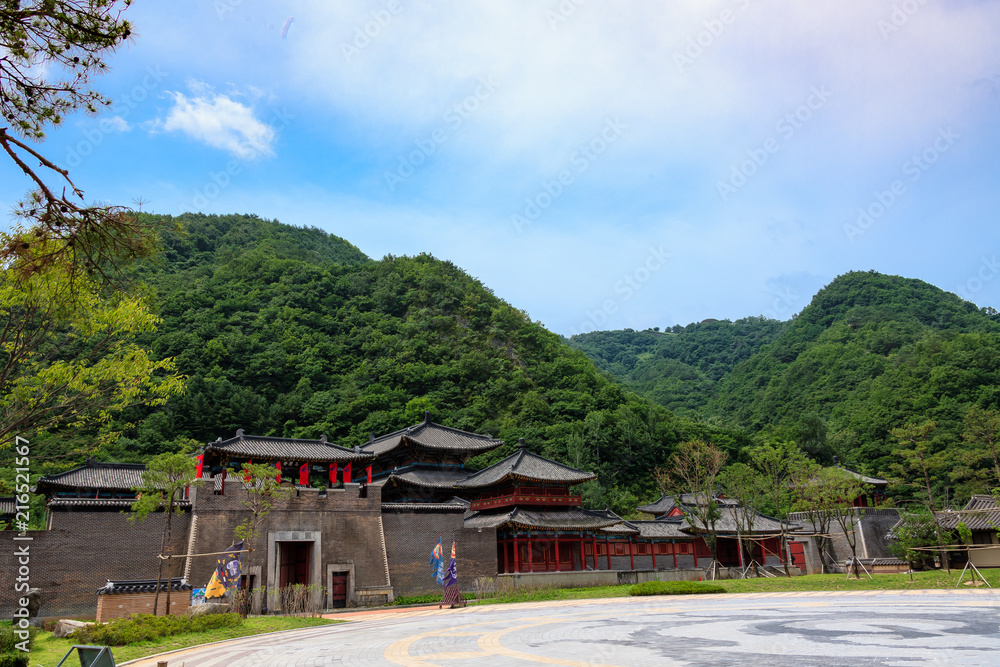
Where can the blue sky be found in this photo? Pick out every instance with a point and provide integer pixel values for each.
(599, 165)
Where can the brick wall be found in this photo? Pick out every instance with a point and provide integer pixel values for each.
(410, 537)
(126, 604)
(82, 551)
(347, 522)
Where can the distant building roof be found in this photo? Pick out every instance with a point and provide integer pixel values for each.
(526, 466)
(266, 448)
(427, 478)
(450, 505)
(729, 524)
(668, 502)
(96, 476)
(571, 519)
(876, 481)
(121, 587)
(429, 435)
(980, 513)
(660, 529)
(102, 502)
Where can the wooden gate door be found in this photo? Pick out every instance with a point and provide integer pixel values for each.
(797, 550)
(339, 589)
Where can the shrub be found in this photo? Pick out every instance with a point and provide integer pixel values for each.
(143, 627)
(674, 588)
(9, 641)
(14, 660)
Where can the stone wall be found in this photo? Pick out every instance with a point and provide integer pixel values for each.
(126, 604)
(410, 536)
(81, 552)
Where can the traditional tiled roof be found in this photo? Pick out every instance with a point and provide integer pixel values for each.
(661, 529)
(450, 505)
(429, 435)
(7, 506)
(428, 478)
(571, 519)
(980, 513)
(102, 502)
(526, 466)
(728, 523)
(96, 476)
(266, 448)
(876, 481)
(142, 586)
(668, 502)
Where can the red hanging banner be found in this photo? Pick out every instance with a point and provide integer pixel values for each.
(246, 474)
(304, 474)
(278, 466)
(369, 474)
(201, 462)
(347, 474)
(333, 474)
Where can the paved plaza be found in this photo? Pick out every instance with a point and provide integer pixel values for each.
(825, 629)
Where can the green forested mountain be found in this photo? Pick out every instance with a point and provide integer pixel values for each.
(295, 333)
(679, 368)
(869, 354)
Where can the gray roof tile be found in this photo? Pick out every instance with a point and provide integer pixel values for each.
(429, 478)
(266, 448)
(432, 436)
(7, 506)
(94, 475)
(525, 465)
(571, 519)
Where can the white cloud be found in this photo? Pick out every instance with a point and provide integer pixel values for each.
(220, 122)
(118, 124)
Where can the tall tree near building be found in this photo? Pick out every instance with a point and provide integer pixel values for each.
(163, 485)
(816, 499)
(749, 487)
(262, 492)
(982, 431)
(694, 469)
(844, 488)
(776, 461)
(918, 464)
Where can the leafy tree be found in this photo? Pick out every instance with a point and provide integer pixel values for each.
(69, 353)
(163, 483)
(262, 492)
(749, 487)
(982, 431)
(844, 488)
(917, 528)
(816, 498)
(916, 458)
(694, 469)
(776, 462)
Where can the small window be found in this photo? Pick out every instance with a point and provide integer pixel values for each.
(602, 550)
(619, 549)
(588, 548)
(641, 549)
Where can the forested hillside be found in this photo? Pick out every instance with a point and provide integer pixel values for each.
(679, 368)
(295, 333)
(871, 353)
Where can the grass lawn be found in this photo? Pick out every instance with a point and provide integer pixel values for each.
(47, 651)
(811, 582)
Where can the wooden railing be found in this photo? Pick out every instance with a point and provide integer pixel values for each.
(526, 499)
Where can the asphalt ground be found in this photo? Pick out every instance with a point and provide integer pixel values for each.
(822, 629)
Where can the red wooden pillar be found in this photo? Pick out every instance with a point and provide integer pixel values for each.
(583, 555)
(517, 555)
(739, 551)
(531, 555)
(594, 553)
(652, 548)
(694, 552)
(557, 553)
(607, 550)
(673, 550)
(631, 552)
